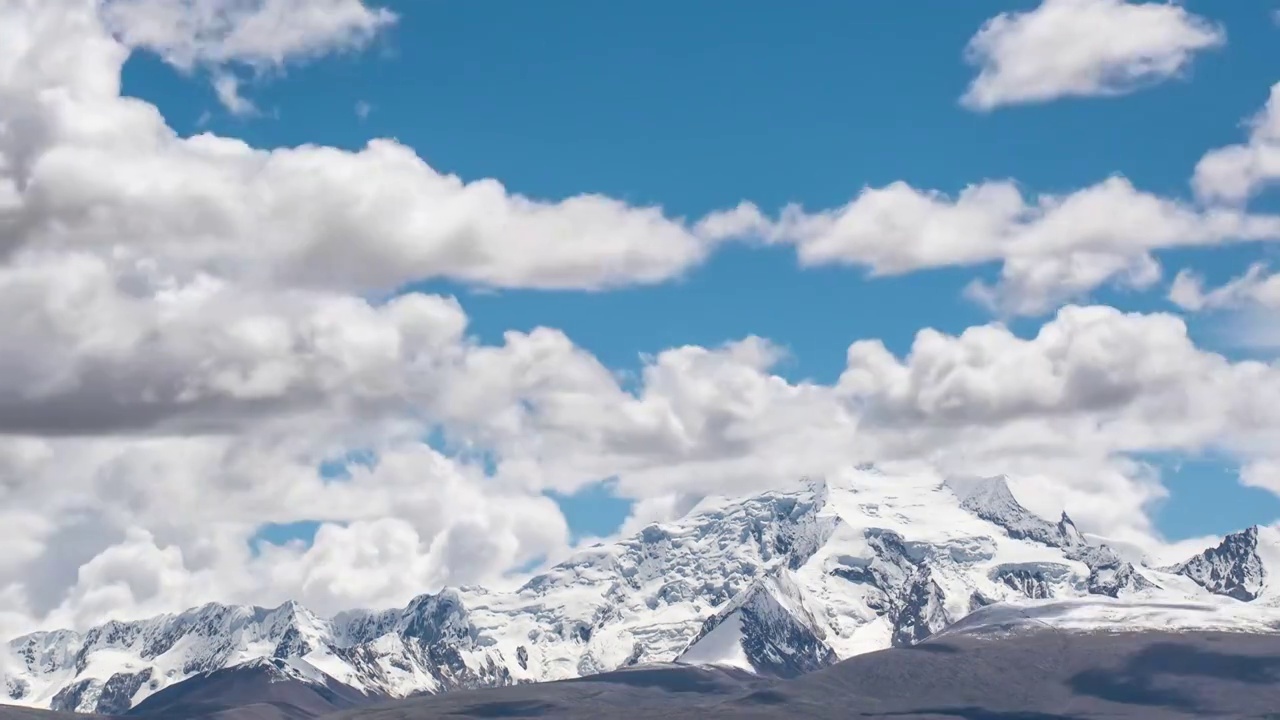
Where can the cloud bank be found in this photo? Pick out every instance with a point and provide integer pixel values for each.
(194, 326)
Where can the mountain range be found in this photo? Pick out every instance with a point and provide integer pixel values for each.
(776, 586)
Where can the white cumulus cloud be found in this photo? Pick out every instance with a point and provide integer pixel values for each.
(1050, 248)
(272, 33)
(1257, 287)
(1237, 172)
(263, 35)
(1065, 48)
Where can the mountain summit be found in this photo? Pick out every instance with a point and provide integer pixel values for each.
(1236, 567)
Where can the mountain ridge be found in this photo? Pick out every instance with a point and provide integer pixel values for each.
(804, 577)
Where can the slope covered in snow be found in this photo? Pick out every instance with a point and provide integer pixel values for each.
(1105, 614)
(779, 583)
(768, 629)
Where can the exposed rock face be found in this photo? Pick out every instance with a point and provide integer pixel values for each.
(904, 591)
(1233, 568)
(1031, 582)
(117, 694)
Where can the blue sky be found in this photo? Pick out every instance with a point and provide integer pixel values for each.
(695, 106)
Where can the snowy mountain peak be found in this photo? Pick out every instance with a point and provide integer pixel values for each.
(816, 487)
(776, 591)
(766, 629)
(291, 611)
(984, 494)
(433, 619)
(990, 499)
(1233, 568)
(286, 669)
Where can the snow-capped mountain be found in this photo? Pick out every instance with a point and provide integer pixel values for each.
(780, 583)
(1237, 567)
